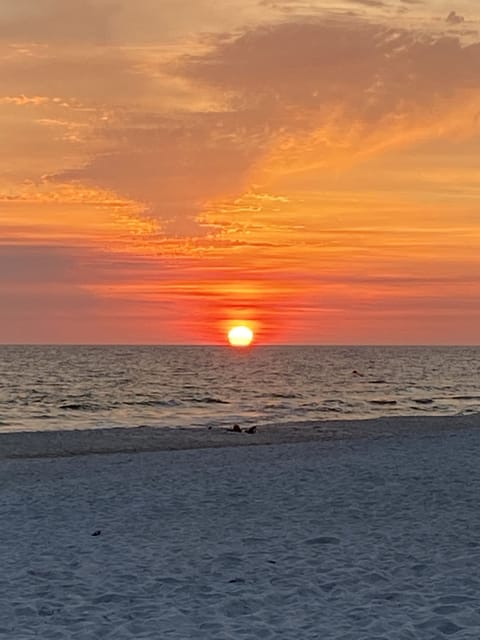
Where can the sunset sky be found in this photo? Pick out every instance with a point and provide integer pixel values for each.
(310, 168)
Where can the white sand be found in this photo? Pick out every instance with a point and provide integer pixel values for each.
(362, 539)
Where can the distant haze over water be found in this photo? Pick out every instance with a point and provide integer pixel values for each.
(87, 387)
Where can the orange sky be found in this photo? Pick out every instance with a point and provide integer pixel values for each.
(307, 167)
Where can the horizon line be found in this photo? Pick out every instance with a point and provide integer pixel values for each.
(218, 344)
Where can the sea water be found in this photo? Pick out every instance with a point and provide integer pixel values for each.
(87, 387)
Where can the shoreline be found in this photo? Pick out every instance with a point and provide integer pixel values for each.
(69, 443)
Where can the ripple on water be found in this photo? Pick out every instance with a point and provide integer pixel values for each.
(86, 387)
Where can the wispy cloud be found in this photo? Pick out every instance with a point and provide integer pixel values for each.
(300, 94)
(190, 163)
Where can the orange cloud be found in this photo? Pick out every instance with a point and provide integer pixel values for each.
(315, 175)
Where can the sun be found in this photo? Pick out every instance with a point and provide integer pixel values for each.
(240, 336)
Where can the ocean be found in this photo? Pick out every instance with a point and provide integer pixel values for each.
(89, 387)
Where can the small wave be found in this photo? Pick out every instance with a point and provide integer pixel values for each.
(151, 403)
(79, 406)
(284, 396)
(208, 400)
(423, 400)
(392, 402)
(469, 411)
(377, 382)
(277, 406)
(465, 397)
(37, 399)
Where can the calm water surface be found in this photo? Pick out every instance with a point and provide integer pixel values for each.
(71, 387)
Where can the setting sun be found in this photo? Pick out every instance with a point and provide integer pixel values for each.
(240, 336)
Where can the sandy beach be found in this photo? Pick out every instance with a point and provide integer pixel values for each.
(362, 531)
(39, 444)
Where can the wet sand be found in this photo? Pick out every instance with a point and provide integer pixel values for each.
(29, 444)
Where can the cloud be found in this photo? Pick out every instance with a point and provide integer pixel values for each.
(341, 85)
(453, 18)
(34, 264)
(370, 3)
(96, 75)
(175, 165)
(347, 61)
(101, 22)
(321, 91)
(57, 21)
(22, 100)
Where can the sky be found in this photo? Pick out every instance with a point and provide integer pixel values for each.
(309, 168)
